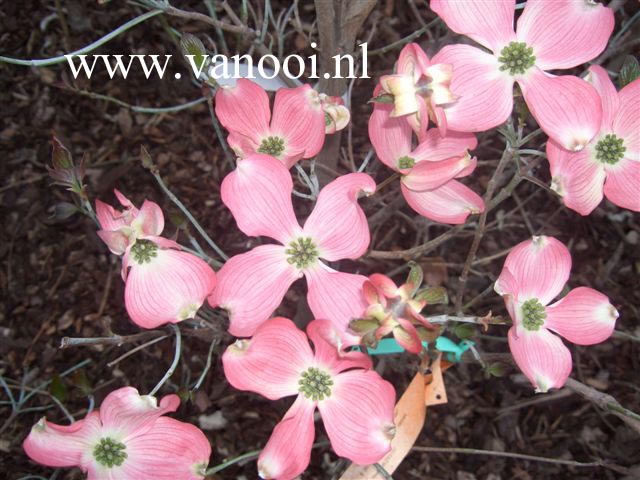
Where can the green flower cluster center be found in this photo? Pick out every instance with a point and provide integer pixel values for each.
(406, 162)
(610, 149)
(143, 251)
(272, 146)
(327, 119)
(516, 58)
(302, 252)
(110, 453)
(315, 384)
(533, 314)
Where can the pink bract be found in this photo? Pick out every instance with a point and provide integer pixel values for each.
(355, 403)
(253, 284)
(567, 108)
(430, 171)
(610, 163)
(127, 438)
(534, 273)
(295, 130)
(163, 284)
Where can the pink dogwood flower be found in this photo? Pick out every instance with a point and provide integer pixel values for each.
(534, 273)
(610, 164)
(428, 172)
(550, 35)
(355, 403)
(163, 284)
(252, 285)
(419, 89)
(295, 130)
(127, 438)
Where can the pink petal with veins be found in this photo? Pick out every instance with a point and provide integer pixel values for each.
(540, 267)
(485, 94)
(565, 33)
(258, 193)
(358, 416)
(299, 119)
(584, 316)
(567, 108)
(451, 203)
(243, 109)
(170, 288)
(541, 356)
(336, 296)
(269, 363)
(337, 224)
(488, 22)
(252, 285)
(288, 451)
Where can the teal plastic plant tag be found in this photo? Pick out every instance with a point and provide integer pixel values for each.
(452, 349)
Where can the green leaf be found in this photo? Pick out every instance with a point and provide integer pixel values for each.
(496, 369)
(60, 156)
(191, 45)
(415, 276)
(363, 326)
(382, 98)
(64, 210)
(433, 295)
(81, 381)
(464, 330)
(629, 72)
(57, 388)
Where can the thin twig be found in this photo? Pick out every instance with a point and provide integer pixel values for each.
(188, 214)
(201, 17)
(117, 340)
(247, 456)
(606, 402)
(471, 256)
(403, 41)
(174, 364)
(420, 249)
(63, 58)
(207, 366)
(220, 134)
(136, 108)
(136, 349)
(521, 456)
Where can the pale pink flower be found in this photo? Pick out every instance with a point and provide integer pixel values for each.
(252, 285)
(355, 403)
(610, 163)
(336, 115)
(429, 171)
(163, 284)
(128, 438)
(534, 273)
(295, 130)
(551, 35)
(419, 88)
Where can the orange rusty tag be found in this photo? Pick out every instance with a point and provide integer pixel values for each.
(409, 418)
(435, 393)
